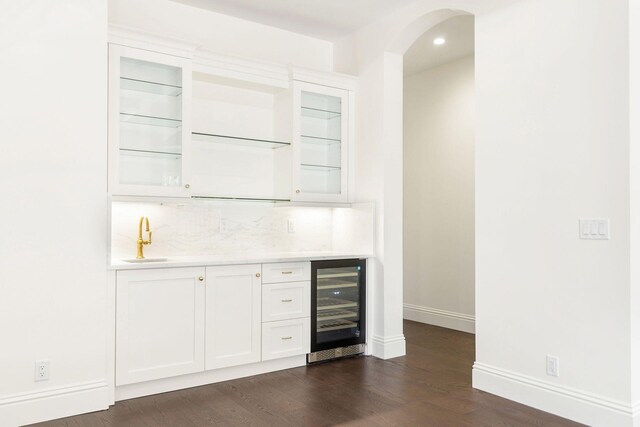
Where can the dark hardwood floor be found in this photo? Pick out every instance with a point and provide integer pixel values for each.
(430, 386)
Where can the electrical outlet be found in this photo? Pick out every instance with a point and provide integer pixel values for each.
(42, 370)
(553, 366)
(291, 226)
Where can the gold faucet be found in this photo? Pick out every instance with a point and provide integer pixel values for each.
(141, 241)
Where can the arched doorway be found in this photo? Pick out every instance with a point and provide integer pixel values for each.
(379, 177)
(439, 176)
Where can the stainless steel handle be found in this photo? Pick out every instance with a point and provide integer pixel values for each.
(286, 300)
(257, 274)
(287, 272)
(286, 338)
(201, 279)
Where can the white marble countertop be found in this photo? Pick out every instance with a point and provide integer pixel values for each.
(231, 259)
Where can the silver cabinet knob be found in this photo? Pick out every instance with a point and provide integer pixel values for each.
(257, 274)
(187, 186)
(201, 279)
(297, 191)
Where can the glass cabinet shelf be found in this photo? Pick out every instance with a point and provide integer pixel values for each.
(239, 141)
(317, 113)
(137, 85)
(319, 168)
(320, 140)
(242, 199)
(149, 120)
(149, 153)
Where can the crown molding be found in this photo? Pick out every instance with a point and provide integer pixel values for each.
(133, 37)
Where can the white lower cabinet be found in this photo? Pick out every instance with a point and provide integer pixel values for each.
(159, 323)
(285, 338)
(233, 317)
(176, 321)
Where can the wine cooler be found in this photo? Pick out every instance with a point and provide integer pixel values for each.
(337, 309)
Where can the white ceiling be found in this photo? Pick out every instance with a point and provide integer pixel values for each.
(423, 54)
(324, 19)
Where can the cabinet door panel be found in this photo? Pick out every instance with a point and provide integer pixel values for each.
(149, 123)
(321, 139)
(160, 324)
(233, 313)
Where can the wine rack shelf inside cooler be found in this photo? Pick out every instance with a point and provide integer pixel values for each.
(335, 273)
(333, 303)
(337, 314)
(336, 284)
(333, 325)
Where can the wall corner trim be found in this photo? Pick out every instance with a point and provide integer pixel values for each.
(388, 347)
(53, 403)
(577, 405)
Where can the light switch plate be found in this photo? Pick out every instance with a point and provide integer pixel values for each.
(594, 229)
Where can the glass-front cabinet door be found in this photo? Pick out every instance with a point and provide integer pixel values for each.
(148, 123)
(321, 131)
(338, 303)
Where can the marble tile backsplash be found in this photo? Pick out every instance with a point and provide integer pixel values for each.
(209, 228)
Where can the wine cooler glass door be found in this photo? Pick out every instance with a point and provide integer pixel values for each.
(339, 295)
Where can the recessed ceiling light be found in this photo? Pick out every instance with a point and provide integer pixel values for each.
(439, 41)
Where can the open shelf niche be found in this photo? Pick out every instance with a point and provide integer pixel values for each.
(241, 149)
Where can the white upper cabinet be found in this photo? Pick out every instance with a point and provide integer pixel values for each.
(320, 143)
(149, 123)
(218, 127)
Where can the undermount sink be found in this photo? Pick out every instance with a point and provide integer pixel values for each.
(143, 260)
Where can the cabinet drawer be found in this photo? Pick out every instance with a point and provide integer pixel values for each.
(282, 301)
(285, 338)
(286, 272)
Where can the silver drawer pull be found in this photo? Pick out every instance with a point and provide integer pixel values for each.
(287, 272)
(286, 300)
(286, 338)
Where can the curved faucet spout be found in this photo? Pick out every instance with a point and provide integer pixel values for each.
(141, 242)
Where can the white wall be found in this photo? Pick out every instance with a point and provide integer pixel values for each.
(552, 145)
(53, 218)
(634, 157)
(439, 193)
(221, 33)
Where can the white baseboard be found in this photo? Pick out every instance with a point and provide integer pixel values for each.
(147, 388)
(50, 404)
(388, 347)
(446, 319)
(576, 405)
